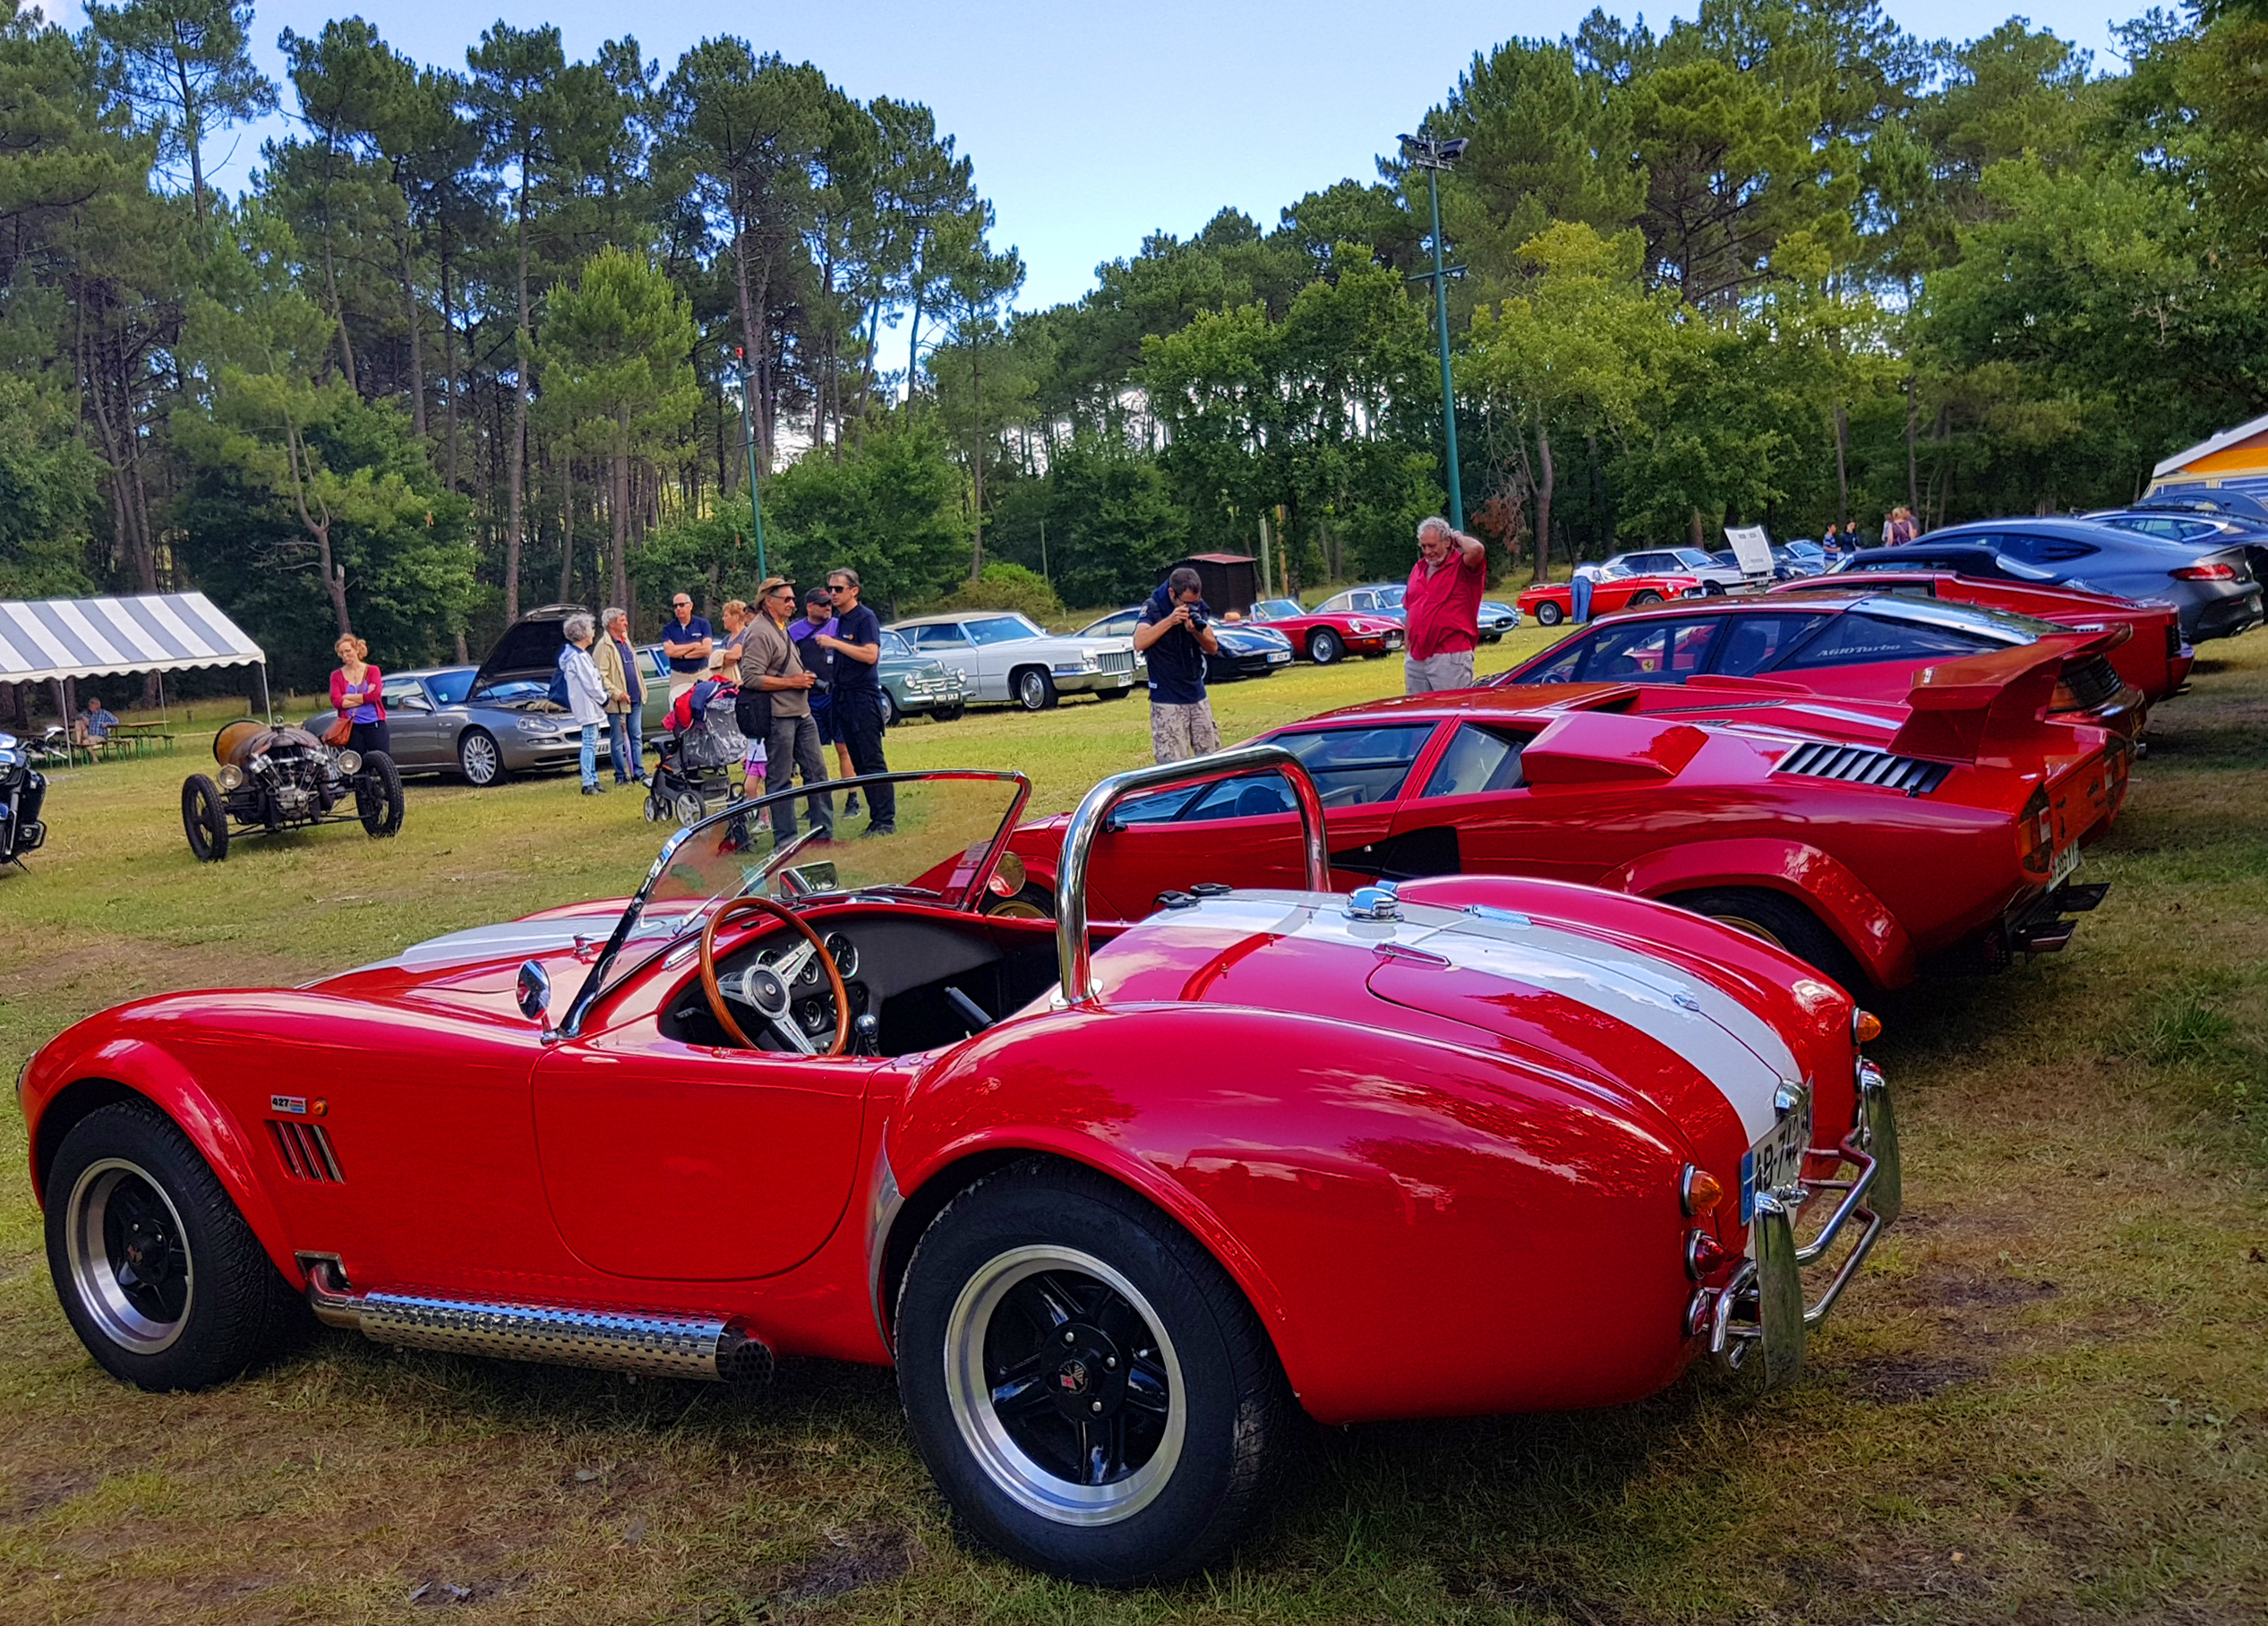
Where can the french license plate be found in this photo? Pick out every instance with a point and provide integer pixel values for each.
(2066, 865)
(1776, 1159)
(1393, 640)
(1277, 657)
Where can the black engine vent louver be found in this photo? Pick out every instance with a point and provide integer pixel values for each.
(305, 1151)
(1864, 765)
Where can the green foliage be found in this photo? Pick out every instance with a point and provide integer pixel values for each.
(890, 509)
(47, 495)
(1004, 586)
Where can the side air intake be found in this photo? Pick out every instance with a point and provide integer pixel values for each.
(1864, 765)
(306, 1151)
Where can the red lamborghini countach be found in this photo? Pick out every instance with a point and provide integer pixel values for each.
(1865, 839)
(806, 1105)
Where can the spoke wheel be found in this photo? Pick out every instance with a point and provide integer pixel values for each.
(130, 1262)
(1088, 1387)
(480, 758)
(160, 1277)
(378, 795)
(204, 817)
(1067, 1395)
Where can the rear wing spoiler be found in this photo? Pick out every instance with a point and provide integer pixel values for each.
(1992, 705)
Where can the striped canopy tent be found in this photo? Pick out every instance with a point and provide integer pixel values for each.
(47, 640)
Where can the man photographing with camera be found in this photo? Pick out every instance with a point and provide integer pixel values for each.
(1176, 634)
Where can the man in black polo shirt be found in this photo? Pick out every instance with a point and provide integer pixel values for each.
(686, 640)
(1175, 633)
(856, 644)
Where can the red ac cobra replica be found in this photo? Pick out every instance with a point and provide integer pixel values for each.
(791, 1109)
(1865, 839)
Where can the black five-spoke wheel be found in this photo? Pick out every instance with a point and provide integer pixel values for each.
(1089, 1389)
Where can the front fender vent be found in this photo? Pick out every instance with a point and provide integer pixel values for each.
(305, 1152)
(1864, 765)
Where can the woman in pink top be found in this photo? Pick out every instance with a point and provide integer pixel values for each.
(357, 692)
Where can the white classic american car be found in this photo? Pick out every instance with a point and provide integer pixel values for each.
(1006, 658)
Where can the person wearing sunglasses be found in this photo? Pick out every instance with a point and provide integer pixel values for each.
(770, 663)
(687, 641)
(856, 644)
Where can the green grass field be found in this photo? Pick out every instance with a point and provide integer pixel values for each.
(2046, 1401)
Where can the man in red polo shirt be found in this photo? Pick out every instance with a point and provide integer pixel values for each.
(1442, 608)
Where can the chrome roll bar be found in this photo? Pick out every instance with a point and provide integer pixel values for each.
(1092, 820)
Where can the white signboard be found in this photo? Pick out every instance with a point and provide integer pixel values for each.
(1751, 548)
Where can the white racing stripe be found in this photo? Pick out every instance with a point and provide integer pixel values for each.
(1734, 1048)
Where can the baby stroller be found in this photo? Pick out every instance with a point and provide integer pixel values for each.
(700, 759)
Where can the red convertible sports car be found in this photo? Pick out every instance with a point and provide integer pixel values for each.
(2155, 660)
(1327, 635)
(1858, 643)
(1863, 839)
(813, 1108)
(1552, 601)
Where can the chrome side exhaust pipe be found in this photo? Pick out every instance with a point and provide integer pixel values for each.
(661, 1344)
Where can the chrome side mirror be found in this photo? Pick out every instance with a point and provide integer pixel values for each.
(534, 991)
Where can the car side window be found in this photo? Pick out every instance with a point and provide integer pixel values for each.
(944, 635)
(1649, 652)
(405, 696)
(1478, 760)
(893, 643)
(1566, 666)
(1757, 641)
(1855, 639)
(2045, 550)
(1353, 767)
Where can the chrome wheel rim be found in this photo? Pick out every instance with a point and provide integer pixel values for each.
(1030, 691)
(130, 1263)
(1065, 1386)
(478, 758)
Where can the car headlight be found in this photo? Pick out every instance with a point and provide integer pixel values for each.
(230, 776)
(350, 762)
(536, 726)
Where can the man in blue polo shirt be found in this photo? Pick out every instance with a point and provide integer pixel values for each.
(1176, 634)
(686, 640)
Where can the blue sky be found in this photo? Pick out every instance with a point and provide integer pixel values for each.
(1092, 126)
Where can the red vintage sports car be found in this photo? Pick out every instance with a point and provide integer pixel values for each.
(1552, 601)
(2155, 660)
(1856, 643)
(1323, 636)
(810, 1108)
(1864, 839)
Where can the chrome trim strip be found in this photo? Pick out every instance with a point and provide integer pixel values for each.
(659, 1343)
(1088, 823)
(882, 1213)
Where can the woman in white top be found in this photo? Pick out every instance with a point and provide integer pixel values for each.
(586, 694)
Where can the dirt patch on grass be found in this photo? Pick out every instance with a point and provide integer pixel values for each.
(1902, 1380)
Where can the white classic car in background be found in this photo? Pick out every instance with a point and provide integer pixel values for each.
(1005, 658)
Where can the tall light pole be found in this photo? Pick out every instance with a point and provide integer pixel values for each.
(1433, 157)
(747, 439)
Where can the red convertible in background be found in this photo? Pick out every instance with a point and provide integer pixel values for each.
(1324, 636)
(1857, 644)
(2155, 660)
(1552, 601)
(1487, 1145)
(1863, 839)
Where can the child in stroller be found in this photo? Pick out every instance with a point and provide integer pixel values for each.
(701, 757)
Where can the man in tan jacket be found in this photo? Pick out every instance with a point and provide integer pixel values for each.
(625, 696)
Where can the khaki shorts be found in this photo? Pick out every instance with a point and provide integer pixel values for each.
(1177, 733)
(1451, 670)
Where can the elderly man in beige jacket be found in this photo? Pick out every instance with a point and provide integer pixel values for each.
(618, 670)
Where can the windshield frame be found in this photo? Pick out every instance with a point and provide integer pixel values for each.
(595, 984)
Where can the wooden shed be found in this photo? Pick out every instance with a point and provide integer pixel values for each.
(1232, 580)
(2235, 460)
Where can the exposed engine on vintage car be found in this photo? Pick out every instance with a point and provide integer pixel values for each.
(22, 789)
(272, 779)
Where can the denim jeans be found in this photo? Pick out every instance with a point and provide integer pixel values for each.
(590, 753)
(627, 744)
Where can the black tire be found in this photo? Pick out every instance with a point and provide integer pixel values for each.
(1648, 597)
(378, 795)
(1325, 647)
(204, 818)
(1780, 921)
(1113, 694)
(1549, 614)
(1712, 589)
(1033, 688)
(127, 1178)
(479, 759)
(1194, 1352)
(949, 714)
(890, 716)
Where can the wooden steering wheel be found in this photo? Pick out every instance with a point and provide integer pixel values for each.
(770, 990)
